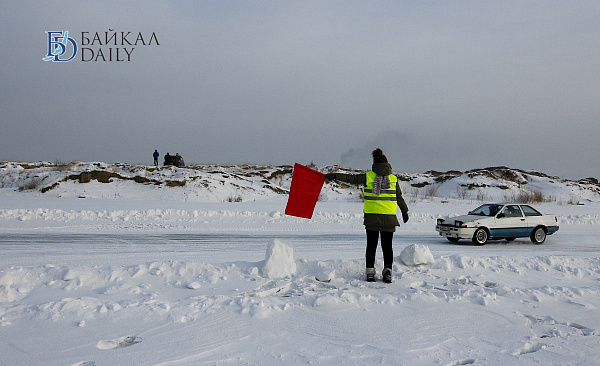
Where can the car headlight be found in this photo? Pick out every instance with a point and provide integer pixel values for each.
(458, 223)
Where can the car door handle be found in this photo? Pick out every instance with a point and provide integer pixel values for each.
(522, 219)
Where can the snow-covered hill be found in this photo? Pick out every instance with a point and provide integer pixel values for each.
(207, 183)
(235, 183)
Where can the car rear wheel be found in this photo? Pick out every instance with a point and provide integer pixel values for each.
(538, 236)
(480, 237)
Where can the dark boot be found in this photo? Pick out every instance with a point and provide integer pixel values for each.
(387, 275)
(370, 274)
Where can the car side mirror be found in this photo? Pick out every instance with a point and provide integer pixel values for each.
(501, 215)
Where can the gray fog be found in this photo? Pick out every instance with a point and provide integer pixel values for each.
(437, 85)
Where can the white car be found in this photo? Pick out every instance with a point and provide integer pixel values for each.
(498, 221)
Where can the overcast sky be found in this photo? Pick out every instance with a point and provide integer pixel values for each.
(438, 85)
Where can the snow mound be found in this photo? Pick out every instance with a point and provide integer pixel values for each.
(280, 260)
(324, 273)
(416, 254)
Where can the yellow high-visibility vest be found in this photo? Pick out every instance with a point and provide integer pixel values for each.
(385, 203)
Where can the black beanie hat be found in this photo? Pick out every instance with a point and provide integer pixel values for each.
(378, 156)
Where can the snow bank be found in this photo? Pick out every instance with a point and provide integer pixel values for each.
(416, 254)
(543, 310)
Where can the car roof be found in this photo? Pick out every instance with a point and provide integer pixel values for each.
(507, 203)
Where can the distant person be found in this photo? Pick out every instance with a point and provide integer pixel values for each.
(155, 155)
(178, 160)
(168, 159)
(382, 196)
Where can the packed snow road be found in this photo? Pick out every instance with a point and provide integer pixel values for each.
(36, 249)
(75, 231)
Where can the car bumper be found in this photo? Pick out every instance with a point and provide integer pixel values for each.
(455, 232)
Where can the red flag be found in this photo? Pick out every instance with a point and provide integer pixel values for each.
(304, 191)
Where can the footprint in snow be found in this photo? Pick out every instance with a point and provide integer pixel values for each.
(469, 361)
(559, 329)
(530, 348)
(119, 342)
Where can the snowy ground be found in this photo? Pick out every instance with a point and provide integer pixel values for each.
(107, 280)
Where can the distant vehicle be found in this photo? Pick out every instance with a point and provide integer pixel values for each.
(176, 160)
(498, 221)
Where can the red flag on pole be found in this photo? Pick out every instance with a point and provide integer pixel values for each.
(304, 191)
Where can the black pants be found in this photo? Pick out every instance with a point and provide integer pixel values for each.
(386, 247)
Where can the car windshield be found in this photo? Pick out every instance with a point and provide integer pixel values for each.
(486, 210)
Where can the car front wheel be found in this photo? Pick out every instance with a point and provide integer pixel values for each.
(538, 236)
(480, 237)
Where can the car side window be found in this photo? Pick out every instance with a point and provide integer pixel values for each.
(512, 211)
(530, 211)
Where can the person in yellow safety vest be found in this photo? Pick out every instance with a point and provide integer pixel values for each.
(382, 195)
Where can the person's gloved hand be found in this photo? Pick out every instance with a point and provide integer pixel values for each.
(405, 216)
(330, 176)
